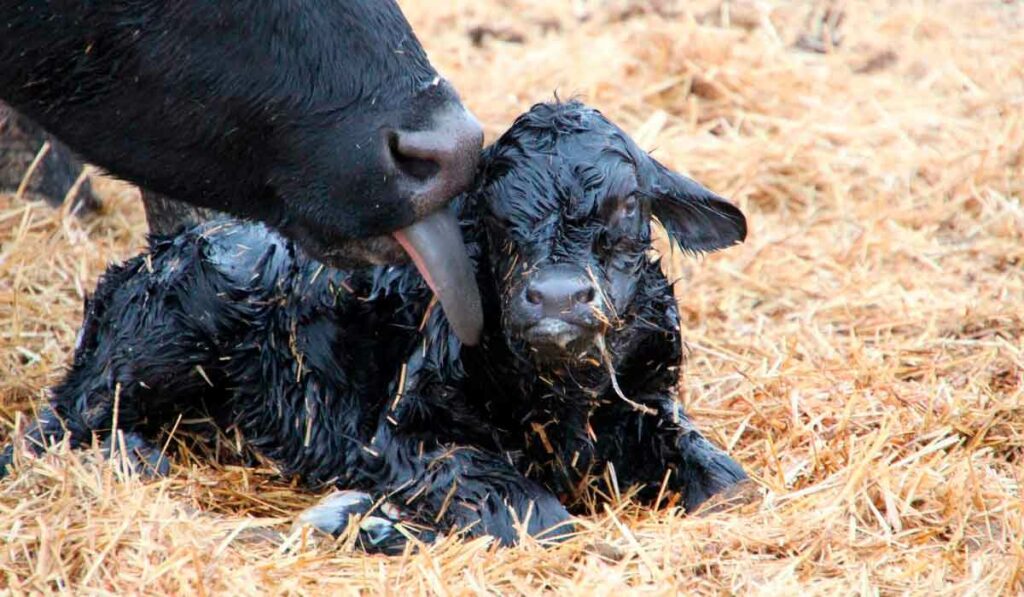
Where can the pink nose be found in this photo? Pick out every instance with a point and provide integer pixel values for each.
(558, 291)
(439, 162)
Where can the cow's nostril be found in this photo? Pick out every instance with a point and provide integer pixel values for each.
(586, 295)
(441, 159)
(417, 167)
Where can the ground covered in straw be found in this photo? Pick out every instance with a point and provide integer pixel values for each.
(862, 354)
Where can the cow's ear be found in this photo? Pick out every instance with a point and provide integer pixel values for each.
(696, 219)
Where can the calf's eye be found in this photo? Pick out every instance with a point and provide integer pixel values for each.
(629, 207)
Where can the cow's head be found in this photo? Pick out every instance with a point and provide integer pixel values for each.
(569, 198)
(323, 119)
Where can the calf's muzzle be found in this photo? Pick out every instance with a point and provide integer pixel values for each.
(559, 310)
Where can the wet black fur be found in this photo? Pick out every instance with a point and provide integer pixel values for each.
(264, 109)
(353, 378)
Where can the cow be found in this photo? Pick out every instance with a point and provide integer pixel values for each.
(38, 166)
(353, 378)
(324, 120)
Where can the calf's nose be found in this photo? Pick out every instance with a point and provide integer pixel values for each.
(562, 292)
(562, 307)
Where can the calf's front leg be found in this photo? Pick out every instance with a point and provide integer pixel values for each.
(643, 446)
(442, 488)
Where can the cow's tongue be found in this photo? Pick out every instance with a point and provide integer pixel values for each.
(435, 246)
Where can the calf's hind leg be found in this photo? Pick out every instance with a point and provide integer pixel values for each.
(139, 361)
(140, 455)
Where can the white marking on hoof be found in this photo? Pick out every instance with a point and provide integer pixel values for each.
(377, 529)
(331, 515)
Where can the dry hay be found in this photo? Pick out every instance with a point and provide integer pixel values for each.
(862, 354)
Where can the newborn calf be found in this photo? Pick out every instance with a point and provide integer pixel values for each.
(353, 377)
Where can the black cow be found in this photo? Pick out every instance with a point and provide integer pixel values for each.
(353, 377)
(323, 119)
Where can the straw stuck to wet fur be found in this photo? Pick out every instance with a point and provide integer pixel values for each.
(860, 354)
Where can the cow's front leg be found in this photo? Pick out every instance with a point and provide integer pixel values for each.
(644, 446)
(37, 164)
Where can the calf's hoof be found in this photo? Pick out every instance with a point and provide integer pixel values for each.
(140, 456)
(706, 471)
(6, 460)
(742, 493)
(379, 525)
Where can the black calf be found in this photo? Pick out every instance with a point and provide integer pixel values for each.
(353, 378)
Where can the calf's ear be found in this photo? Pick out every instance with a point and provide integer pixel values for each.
(695, 218)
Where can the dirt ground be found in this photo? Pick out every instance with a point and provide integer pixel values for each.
(862, 354)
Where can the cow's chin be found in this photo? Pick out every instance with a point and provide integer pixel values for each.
(359, 252)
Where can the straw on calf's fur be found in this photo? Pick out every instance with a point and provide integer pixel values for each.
(353, 378)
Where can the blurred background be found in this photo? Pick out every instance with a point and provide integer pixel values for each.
(862, 354)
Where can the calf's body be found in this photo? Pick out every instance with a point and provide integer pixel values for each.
(354, 378)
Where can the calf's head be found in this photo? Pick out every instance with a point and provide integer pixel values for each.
(568, 200)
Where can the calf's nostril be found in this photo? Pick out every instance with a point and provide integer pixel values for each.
(587, 295)
(559, 291)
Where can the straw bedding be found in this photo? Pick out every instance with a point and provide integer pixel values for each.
(862, 354)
